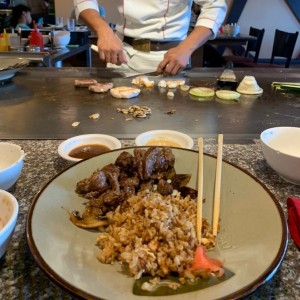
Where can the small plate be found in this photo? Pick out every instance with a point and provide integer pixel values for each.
(87, 139)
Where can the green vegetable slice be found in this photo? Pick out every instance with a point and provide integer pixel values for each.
(184, 87)
(228, 95)
(202, 92)
(293, 87)
(282, 83)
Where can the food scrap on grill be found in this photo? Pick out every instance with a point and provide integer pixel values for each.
(101, 87)
(136, 111)
(125, 92)
(171, 84)
(143, 81)
(170, 112)
(94, 116)
(84, 83)
(170, 94)
(75, 124)
(184, 87)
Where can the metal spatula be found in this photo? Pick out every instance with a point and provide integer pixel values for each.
(227, 79)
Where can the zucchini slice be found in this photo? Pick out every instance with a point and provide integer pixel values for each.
(228, 95)
(202, 92)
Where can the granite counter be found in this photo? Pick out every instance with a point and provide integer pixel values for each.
(21, 277)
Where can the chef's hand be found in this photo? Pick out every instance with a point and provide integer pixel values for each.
(110, 47)
(175, 60)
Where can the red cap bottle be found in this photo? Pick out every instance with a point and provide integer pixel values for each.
(36, 38)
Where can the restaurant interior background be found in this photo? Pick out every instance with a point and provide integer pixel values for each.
(268, 14)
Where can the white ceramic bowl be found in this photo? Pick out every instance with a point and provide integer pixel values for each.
(9, 209)
(11, 164)
(281, 149)
(164, 138)
(61, 38)
(68, 145)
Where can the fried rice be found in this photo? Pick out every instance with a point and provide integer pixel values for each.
(152, 234)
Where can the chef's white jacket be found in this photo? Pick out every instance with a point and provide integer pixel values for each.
(157, 20)
(160, 20)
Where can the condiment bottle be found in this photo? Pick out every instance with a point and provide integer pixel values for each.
(5, 35)
(36, 38)
(3, 43)
(14, 40)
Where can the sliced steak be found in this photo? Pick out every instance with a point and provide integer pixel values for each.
(95, 183)
(112, 173)
(164, 187)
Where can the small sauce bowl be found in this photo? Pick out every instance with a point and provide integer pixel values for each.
(87, 145)
(169, 138)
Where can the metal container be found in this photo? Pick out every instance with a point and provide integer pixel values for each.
(16, 49)
(33, 48)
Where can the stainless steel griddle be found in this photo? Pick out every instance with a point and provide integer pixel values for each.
(42, 103)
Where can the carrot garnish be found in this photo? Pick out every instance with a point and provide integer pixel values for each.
(205, 264)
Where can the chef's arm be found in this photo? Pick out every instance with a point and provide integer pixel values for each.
(198, 36)
(212, 15)
(109, 45)
(210, 19)
(92, 19)
(176, 59)
(207, 26)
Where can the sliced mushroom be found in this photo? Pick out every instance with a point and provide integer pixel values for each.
(90, 218)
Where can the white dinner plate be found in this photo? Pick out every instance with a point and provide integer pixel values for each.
(10, 66)
(252, 241)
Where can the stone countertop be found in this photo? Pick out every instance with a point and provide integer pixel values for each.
(21, 277)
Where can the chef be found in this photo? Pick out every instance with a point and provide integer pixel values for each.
(152, 34)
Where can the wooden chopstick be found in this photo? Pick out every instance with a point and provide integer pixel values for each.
(217, 196)
(200, 191)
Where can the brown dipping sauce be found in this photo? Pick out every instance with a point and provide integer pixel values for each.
(87, 151)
